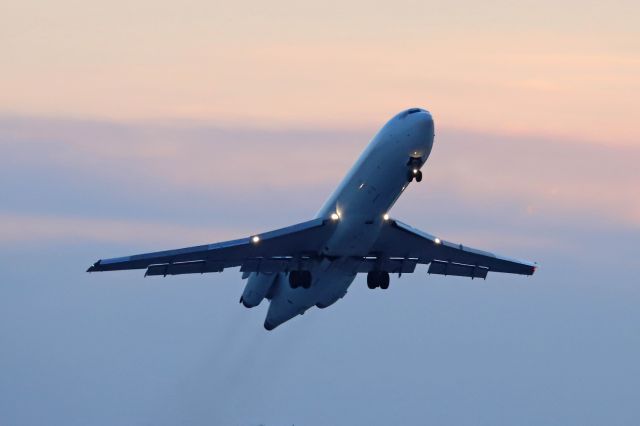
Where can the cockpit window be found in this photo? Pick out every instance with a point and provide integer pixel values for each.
(413, 111)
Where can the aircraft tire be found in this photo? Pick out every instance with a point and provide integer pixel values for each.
(294, 279)
(419, 176)
(384, 280)
(306, 279)
(371, 280)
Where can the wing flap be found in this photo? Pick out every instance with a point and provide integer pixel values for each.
(393, 266)
(279, 264)
(192, 267)
(457, 269)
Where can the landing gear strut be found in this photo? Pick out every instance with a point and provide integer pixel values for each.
(378, 279)
(300, 279)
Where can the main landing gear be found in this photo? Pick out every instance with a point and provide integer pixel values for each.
(300, 279)
(378, 279)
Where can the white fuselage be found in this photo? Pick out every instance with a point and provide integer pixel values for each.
(361, 200)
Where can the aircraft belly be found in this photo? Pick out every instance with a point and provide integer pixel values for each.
(333, 283)
(331, 279)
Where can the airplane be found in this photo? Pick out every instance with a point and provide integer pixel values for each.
(313, 263)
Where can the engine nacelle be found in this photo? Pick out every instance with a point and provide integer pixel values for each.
(257, 288)
(330, 300)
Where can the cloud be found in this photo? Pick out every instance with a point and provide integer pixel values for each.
(66, 179)
(558, 179)
(43, 229)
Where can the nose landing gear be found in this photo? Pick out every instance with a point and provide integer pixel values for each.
(378, 279)
(414, 169)
(415, 174)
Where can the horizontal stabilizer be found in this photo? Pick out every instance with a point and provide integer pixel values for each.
(457, 269)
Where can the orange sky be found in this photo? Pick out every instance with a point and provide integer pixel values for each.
(569, 71)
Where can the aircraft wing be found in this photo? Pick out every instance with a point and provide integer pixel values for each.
(401, 241)
(271, 251)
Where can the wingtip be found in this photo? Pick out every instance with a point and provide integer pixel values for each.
(94, 267)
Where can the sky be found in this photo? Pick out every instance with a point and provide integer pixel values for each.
(136, 126)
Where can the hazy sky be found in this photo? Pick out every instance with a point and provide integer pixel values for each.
(135, 126)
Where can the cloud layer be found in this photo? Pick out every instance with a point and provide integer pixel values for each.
(56, 167)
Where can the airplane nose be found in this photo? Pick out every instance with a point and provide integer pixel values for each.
(422, 116)
(416, 118)
(410, 112)
(419, 114)
(422, 122)
(417, 110)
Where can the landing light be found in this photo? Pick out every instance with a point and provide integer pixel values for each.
(415, 171)
(437, 241)
(335, 216)
(386, 216)
(255, 239)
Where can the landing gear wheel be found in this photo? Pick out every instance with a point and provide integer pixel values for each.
(419, 176)
(384, 280)
(300, 279)
(306, 279)
(371, 280)
(378, 279)
(410, 176)
(294, 279)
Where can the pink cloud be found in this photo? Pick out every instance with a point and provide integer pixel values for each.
(549, 179)
(27, 228)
